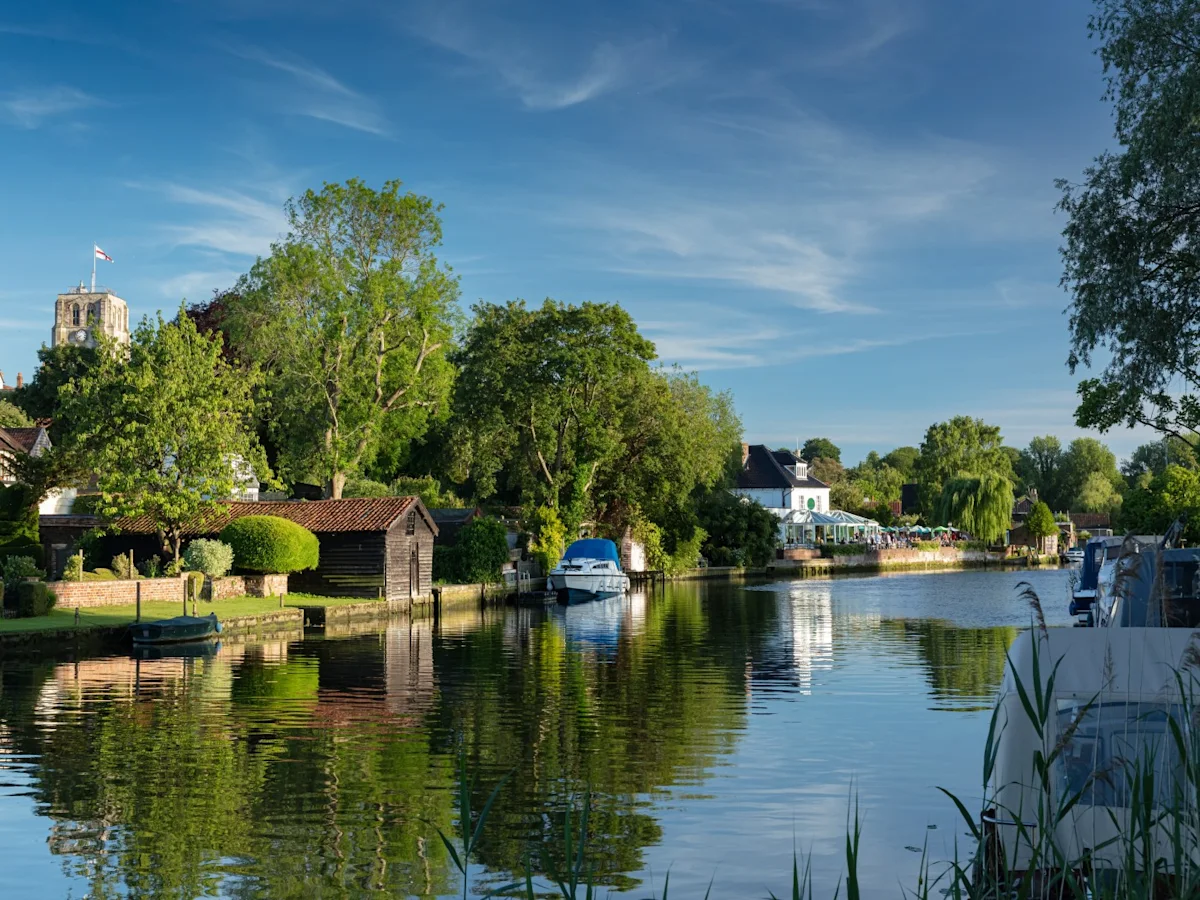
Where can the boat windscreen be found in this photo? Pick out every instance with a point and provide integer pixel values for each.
(1111, 747)
(593, 548)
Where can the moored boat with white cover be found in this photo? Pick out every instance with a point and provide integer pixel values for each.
(589, 570)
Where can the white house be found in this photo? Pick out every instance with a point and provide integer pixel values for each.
(34, 442)
(779, 480)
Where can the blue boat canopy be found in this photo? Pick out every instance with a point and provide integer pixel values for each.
(593, 548)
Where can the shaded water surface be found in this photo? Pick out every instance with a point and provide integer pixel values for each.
(717, 726)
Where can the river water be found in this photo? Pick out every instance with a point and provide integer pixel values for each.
(716, 727)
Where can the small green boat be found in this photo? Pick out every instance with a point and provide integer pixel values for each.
(179, 630)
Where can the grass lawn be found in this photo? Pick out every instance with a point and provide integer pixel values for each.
(314, 600)
(64, 619)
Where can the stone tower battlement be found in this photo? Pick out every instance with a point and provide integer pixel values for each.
(80, 315)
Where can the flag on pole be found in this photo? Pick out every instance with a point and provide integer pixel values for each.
(100, 254)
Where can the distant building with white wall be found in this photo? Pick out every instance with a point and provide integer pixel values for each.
(779, 480)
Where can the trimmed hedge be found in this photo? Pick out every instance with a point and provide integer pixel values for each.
(34, 598)
(271, 545)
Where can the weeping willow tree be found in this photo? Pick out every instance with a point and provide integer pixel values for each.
(981, 505)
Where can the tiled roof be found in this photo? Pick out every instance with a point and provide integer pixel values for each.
(318, 516)
(764, 469)
(10, 443)
(448, 516)
(25, 438)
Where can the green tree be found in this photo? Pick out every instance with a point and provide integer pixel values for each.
(820, 447)
(1041, 466)
(1153, 458)
(479, 554)
(12, 416)
(1098, 495)
(739, 532)
(903, 460)
(1130, 249)
(981, 505)
(826, 469)
(57, 366)
(540, 397)
(961, 447)
(1084, 457)
(167, 431)
(1174, 492)
(1040, 523)
(350, 317)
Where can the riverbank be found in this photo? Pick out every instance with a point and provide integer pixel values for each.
(871, 561)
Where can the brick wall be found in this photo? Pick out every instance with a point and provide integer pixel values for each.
(225, 587)
(87, 594)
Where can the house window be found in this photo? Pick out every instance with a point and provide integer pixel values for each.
(75, 314)
(410, 527)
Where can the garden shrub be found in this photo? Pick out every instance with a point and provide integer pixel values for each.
(481, 551)
(548, 537)
(100, 575)
(932, 546)
(271, 545)
(210, 557)
(34, 598)
(151, 567)
(445, 564)
(73, 570)
(122, 567)
(195, 584)
(17, 568)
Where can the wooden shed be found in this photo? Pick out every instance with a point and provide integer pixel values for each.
(370, 546)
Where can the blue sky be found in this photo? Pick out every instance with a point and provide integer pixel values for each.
(842, 210)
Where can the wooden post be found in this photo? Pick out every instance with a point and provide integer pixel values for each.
(138, 586)
(81, 565)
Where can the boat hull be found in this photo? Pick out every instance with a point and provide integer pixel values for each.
(180, 630)
(573, 589)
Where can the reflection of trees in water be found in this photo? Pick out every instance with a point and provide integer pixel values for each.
(964, 664)
(316, 768)
(145, 792)
(655, 710)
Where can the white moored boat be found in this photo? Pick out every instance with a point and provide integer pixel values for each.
(589, 570)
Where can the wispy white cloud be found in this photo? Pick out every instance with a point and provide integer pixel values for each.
(547, 71)
(198, 285)
(31, 108)
(240, 223)
(319, 95)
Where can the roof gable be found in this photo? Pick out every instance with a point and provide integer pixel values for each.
(763, 469)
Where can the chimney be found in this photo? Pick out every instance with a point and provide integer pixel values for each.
(745, 446)
(20, 381)
(1032, 491)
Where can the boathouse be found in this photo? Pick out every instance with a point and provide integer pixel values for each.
(370, 547)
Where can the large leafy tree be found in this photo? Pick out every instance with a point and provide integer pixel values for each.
(903, 460)
(39, 397)
(1131, 253)
(350, 318)
(981, 504)
(1086, 457)
(168, 430)
(1097, 495)
(960, 447)
(820, 447)
(540, 399)
(1152, 509)
(739, 532)
(13, 416)
(1040, 466)
(1152, 459)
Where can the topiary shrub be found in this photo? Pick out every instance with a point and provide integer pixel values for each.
(100, 575)
(34, 598)
(271, 545)
(213, 558)
(195, 584)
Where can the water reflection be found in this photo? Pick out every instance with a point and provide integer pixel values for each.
(321, 767)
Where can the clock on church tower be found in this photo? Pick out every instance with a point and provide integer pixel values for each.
(80, 316)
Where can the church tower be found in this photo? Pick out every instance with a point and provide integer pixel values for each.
(80, 315)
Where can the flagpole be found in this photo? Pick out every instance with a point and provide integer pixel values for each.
(93, 268)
